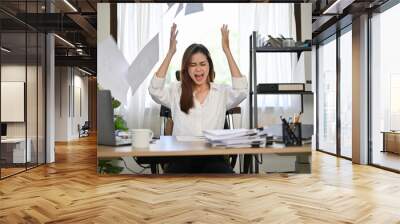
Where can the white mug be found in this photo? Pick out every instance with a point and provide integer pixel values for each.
(141, 138)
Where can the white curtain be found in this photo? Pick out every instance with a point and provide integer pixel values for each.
(139, 22)
(137, 25)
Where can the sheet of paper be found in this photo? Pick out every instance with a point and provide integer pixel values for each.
(170, 5)
(190, 138)
(180, 7)
(112, 68)
(143, 64)
(193, 8)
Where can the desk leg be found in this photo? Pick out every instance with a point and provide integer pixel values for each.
(154, 168)
(303, 164)
(248, 164)
(256, 163)
(384, 143)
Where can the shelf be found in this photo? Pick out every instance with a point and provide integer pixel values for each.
(272, 88)
(287, 92)
(283, 49)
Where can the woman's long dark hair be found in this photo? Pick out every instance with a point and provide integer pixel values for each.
(186, 81)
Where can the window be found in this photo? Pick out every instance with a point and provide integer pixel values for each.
(385, 84)
(327, 96)
(346, 93)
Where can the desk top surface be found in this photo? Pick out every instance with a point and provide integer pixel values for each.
(13, 140)
(169, 146)
(391, 132)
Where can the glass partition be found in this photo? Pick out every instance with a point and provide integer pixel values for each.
(13, 108)
(22, 88)
(31, 99)
(41, 109)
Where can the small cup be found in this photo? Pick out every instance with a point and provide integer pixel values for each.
(141, 138)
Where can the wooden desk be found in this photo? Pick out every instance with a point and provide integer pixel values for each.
(391, 141)
(13, 150)
(169, 146)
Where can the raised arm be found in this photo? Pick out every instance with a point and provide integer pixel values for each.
(235, 72)
(157, 91)
(162, 71)
(239, 90)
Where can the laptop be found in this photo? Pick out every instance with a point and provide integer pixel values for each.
(106, 133)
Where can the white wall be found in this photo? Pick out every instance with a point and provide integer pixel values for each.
(33, 126)
(70, 83)
(12, 73)
(61, 104)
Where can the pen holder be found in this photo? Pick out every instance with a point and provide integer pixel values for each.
(291, 134)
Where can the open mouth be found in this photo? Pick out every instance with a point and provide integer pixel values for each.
(199, 77)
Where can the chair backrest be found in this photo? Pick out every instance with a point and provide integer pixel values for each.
(86, 125)
(165, 111)
(231, 121)
(165, 114)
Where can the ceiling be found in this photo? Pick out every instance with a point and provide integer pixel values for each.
(328, 13)
(75, 23)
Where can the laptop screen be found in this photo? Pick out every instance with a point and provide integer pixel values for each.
(3, 129)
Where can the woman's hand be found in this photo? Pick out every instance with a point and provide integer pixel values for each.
(235, 72)
(172, 40)
(225, 38)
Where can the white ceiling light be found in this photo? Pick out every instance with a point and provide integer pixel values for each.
(84, 71)
(65, 41)
(5, 50)
(70, 5)
(337, 7)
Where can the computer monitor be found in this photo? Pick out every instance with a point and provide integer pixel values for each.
(105, 122)
(3, 129)
(105, 118)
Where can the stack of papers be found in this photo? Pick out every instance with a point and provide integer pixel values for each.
(183, 138)
(235, 138)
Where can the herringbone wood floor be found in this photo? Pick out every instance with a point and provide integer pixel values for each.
(70, 191)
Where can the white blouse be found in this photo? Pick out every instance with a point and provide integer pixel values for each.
(206, 116)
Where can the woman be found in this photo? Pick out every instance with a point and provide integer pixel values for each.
(197, 103)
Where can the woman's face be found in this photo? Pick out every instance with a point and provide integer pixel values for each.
(199, 68)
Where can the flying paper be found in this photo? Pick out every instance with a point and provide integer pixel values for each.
(193, 8)
(112, 69)
(143, 64)
(180, 7)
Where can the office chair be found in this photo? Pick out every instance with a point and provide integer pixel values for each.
(84, 130)
(168, 124)
(230, 124)
(166, 130)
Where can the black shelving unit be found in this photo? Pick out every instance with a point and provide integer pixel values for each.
(282, 49)
(254, 86)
